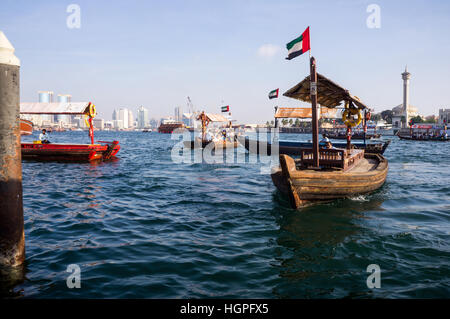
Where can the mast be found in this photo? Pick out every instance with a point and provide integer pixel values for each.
(315, 121)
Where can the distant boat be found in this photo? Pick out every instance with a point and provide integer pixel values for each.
(26, 127)
(168, 128)
(436, 139)
(294, 148)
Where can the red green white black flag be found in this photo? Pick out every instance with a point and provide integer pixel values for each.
(298, 46)
(273, 94)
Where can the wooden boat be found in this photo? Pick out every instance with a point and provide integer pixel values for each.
(306, 186)
(26, 127)
(202, 142)
(214, 145)
(70, 152)
(100, 151)
(293, 148)
(436, 139)
(355, 136)
(328, 173)
(168, 128)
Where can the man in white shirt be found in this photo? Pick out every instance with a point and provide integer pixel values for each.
(43, 137)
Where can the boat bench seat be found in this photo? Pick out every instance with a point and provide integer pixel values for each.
(335, 158)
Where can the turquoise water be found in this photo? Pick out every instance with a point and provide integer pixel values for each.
(145, 227)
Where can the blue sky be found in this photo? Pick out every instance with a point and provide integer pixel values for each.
(156, 53)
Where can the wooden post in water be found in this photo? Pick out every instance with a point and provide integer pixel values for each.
(12, 238)
(315, 121)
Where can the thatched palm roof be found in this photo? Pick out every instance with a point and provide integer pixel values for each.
(329, 94)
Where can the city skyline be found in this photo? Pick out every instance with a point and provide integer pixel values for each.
(137, 62)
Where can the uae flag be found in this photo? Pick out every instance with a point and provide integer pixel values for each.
(298, 46)
(273, 94)
(226, 108)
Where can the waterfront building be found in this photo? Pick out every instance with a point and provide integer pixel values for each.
(130, 119)
(118, 124)
(46, 97)
(98, 123)
(62, 118)
(115, 115)
(444, 116)
(143, 119)
(123, 116)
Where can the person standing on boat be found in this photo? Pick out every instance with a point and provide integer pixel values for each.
(43, 137)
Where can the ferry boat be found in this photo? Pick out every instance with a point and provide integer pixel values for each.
(324, 174)
(99, 151)
(26, 127)
(294, 148)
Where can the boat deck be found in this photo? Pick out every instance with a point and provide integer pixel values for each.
(365, 165)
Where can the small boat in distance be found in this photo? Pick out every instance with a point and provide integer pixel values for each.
(294, 148)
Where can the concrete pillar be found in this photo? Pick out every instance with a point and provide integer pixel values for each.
(12, 238)
(406, 76)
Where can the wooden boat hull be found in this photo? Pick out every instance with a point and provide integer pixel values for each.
(70, 152)
(307, 186)
(294, 148)
(354, 137)
(409, 138)
(221, 144)
(26, 127)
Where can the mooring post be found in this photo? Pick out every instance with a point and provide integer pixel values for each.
(12, 238)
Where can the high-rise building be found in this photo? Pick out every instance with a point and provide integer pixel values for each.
(130, 119)
(63, 98)
(46, 97)
(143, 118)
(123, 116)
(115, 115)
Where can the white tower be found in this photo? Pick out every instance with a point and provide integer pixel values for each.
(406, 76)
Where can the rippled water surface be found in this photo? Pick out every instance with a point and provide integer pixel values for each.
(145, 227)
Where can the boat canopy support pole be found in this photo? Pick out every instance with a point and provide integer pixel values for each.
(12, 237)
(315, 121)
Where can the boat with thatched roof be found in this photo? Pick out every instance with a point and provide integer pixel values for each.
(324, 174)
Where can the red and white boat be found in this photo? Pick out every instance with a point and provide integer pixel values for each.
(99, 151)
(26, 127)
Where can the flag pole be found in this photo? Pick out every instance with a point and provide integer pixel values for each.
(315, 121)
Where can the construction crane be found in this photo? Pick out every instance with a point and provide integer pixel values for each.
(190, 107)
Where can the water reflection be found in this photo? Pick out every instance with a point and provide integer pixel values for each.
(312, 238)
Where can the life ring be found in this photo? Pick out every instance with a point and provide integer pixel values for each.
(86, 121)
(348, 119)
(92, 110)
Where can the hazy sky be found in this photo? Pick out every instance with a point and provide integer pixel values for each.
(156, 53)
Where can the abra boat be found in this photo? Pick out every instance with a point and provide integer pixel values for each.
(206, 119)
(198, 143)
(100, 151)
(428, 138)
(328, 174)
(306, 186)
(26, 127)
(294, 148)
(355, 136)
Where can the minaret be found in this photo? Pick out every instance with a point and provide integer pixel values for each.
(406, 76)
